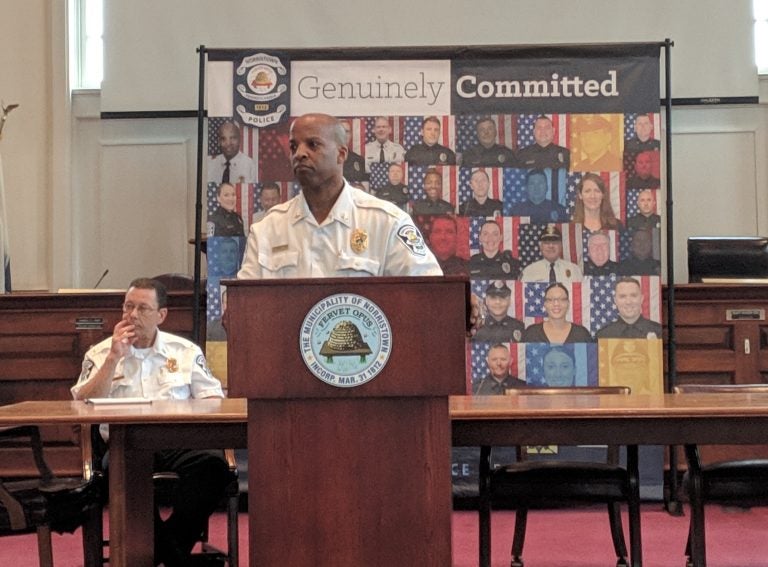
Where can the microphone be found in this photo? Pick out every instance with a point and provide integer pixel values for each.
(104, 275)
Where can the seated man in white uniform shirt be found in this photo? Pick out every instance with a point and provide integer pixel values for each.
(139, 360)
(332, 229)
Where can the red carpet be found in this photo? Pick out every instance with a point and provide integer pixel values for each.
(555, 539)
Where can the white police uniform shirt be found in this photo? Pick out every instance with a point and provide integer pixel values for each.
(361, 236)
(173, 368)
(565, 271)
(242, 169)
(392, 152)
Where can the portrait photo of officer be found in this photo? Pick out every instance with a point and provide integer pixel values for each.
(646, 217)
(499, 326)
(596, 142)
(498, 378)
(433, 203)
(559, 368)
(646, 171)
(395, 191)
(480, 204)
(354, 165)
(641, 261)
(492, 262)
(429, 151)
(642, 140)
(487, 152)
(225, 220)
(552, 267)
(598, 260)
(231, 165)
(630, 324)
(443, 239)
(544, 152)
(537, 207)
(269, 196)
(382, 149)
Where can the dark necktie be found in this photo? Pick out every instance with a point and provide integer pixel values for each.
(552, 276)
(225, 175)
(381, 153)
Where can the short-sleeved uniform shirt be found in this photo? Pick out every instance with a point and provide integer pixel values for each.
(362, 236)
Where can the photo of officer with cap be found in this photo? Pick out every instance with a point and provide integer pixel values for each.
(552, 268)
(499, 327)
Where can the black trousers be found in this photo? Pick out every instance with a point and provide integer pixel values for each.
(203, 476)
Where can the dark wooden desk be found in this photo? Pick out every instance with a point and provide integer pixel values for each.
(136, 431)
(638, 419)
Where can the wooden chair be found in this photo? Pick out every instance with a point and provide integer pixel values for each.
(729, 483)
(48, 503)
(165, 483)
(528, 484)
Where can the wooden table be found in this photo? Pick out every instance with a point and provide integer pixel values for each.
(671, 419)
(136, 431)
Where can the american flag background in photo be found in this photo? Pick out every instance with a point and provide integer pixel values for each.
(495, 176)
(603, 310)
(359, 134)
(560, 123)
(629, 133)
(479, 353)
(510, 227)
(288, 190)
(274, 163)
(515, 187)
(380, 175)
(416, 182)
(578, 308)
(396, 123)
(245, 203)
(516, 306)
(529, 241)
(213, 297)
(584, 355)
(466, 132)
(615, 182)
(249, 137)
(614, 244)
(410, 128)
(217, 246)
(632, 194)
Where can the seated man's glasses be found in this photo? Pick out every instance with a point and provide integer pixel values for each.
(141, 309)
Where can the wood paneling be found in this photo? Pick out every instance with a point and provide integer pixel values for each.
(43, 338)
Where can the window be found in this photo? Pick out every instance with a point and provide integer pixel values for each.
(760, 8)
(86, 43)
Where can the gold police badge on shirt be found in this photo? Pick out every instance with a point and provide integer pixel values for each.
(359, 240)
(172, 365)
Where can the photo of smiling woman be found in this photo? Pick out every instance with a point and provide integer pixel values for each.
(556, 329)
(593, 205)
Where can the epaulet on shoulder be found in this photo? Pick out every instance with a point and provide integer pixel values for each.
(281, 207)
(367, 201)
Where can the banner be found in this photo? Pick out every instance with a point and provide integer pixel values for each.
(533, 170)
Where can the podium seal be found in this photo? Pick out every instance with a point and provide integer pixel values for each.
(345, 340)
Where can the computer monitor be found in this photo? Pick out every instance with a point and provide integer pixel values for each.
(728, 259)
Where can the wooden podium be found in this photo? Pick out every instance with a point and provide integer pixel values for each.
(349, 475)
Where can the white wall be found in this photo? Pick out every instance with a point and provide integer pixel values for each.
(65, 170)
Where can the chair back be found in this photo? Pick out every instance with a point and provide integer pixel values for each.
(612, 451)
(585, 390)
(721, 389)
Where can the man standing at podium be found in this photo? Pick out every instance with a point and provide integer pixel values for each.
(139, 360)
(332, 229)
